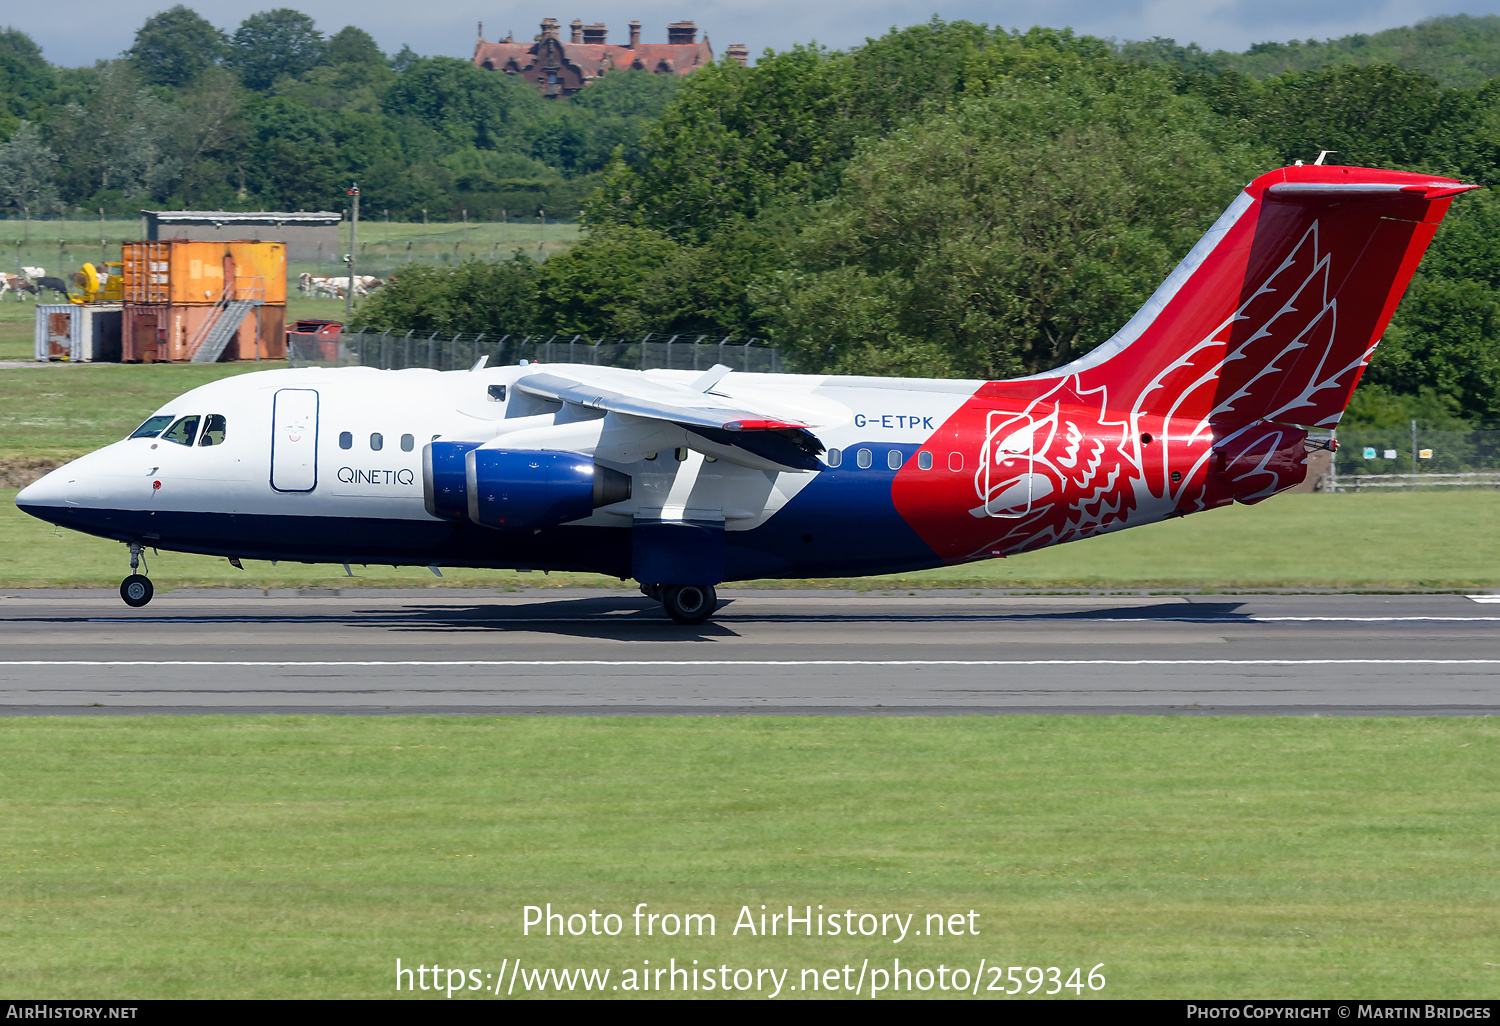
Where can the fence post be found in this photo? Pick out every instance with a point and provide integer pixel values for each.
(1414, 454)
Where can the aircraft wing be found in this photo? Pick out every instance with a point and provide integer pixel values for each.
(722, 420)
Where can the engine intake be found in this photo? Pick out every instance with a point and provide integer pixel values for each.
(521, 489)
(445, 487)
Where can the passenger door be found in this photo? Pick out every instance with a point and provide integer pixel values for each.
(294, 440)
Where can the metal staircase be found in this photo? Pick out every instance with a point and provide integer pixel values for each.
(219, 330)
(213, 335)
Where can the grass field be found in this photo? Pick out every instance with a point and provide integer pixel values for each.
(1193, 857)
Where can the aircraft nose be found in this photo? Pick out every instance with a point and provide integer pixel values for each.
(51, 489)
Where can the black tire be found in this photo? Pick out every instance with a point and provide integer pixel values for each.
(136, 590)
(689, 604)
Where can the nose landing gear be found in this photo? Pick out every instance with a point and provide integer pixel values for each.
(136, 589)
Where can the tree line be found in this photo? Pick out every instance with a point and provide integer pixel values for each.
(277, 116)
(949, 199)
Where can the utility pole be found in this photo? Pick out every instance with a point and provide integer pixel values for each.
(353, 249)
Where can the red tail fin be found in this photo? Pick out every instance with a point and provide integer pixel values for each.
(1274, 314)
(1266, 325)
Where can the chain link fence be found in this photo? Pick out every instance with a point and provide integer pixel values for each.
(389, 350)
(1414, 458)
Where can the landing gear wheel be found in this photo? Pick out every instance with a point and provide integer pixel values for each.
(136, 590)
(689, 604)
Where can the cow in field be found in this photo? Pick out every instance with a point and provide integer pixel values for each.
(18, 284)
(57, 285)
(38, 277)
(320, 285)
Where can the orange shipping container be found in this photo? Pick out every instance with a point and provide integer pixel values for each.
(183, 272)
(161, 333)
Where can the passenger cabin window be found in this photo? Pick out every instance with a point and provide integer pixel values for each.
(955, 461)
(835, 457)
(346, 440)
(893, 459)
(152, 427)
(377, 441)
(863, 459)
(183, 431)
(408, 443)
(924, 460)
(213, 430)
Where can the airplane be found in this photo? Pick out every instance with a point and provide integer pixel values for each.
(685, 480)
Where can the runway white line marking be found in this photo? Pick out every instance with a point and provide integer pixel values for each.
(1492, 599)
(751, 662)
(419, 620)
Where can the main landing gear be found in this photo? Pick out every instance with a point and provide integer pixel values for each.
(688, 604)
(136, 589)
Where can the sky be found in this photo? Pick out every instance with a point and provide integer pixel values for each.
(101, 29)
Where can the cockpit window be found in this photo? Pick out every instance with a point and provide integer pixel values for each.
(213, 430)
(182, 432)
(152, 427)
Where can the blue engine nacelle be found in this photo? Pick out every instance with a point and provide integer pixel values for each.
(521, 489)
(445, 486)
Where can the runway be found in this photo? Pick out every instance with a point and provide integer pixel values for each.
(570, 651)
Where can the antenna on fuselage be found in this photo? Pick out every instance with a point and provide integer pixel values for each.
(1321, 155)
(479, 363)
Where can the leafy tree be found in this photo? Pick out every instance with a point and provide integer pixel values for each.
(1010, 234)
(275, 43)
(404, 59)
(736, 141)
(474, 296)
(350, 45)
(27, 167)
(25, 76)
(596, 287)
(118, 136)
(1375, 115)
(175, 47)
(299, 156)
(467, 106)
(207, 138)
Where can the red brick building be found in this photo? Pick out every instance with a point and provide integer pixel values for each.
(560, 69)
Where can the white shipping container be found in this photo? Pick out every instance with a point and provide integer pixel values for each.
(87, 333)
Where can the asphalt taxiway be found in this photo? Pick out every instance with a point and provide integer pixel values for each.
(569, 651)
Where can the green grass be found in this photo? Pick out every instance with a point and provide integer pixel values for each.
(1194, 857)
(60, 411)
(1400, 541)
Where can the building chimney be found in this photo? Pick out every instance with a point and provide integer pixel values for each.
(549, 29)
(682, 32)
(577, 28)
(595, 34)
(635, 34)
(739, 53)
